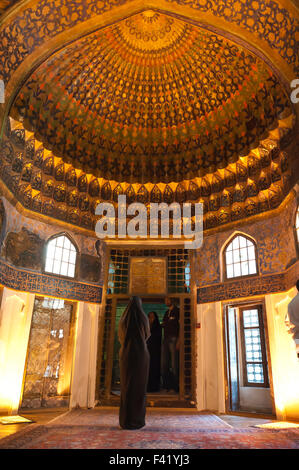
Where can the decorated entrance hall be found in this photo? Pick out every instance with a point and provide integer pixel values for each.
(108, 108)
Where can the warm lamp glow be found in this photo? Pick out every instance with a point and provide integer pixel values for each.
(278, 425)
(149, 13)
(11, 355)
(285, 364)
(15, 419)
(10, 381)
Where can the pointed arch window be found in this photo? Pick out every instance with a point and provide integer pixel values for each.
(61, 256)
(240, 258)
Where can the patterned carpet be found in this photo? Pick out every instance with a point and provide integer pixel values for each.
(165, 429)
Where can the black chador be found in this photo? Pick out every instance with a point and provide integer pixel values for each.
(133, 331)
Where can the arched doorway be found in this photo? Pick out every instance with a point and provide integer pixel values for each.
(120, 284)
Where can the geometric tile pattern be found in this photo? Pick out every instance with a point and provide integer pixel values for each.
(151, 99)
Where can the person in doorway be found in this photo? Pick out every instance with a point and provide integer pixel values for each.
(293, 318)
(170, 347)
(133, 332)
(154, 349)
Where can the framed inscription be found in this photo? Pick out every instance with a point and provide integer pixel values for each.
(148, 276)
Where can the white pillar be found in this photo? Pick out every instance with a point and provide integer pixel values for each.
(284, 361)
(15, 322)
(220, 357)
(210, 361)
(85, 356)
(200, 366)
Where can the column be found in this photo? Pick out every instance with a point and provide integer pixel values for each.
(210, 362)
(15, 321)
(284, 361)
(85, 356)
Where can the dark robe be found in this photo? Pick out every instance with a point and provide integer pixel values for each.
(133, 331)
(154, 349)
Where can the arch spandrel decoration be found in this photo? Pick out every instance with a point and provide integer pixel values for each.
(151, 92)
(61, 255)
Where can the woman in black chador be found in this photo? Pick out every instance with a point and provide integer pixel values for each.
(133, 331)
(154, 349)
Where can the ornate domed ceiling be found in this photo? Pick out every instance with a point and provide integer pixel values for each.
(154, 108)
(151, 97)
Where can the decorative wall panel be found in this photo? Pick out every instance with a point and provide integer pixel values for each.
(143, 96)
(148, 276)
(24, 249)
(5, 4)
(267, 20)
(177, 266)
(2, 221)
(150, 99)
(250, 286)
(90, 268)
(256, 183)
(50, 352)
(37, 283)
(16, 222)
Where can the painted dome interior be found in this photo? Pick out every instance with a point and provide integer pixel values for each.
(155, 108)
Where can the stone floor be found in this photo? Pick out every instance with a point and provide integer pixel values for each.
(245, 421)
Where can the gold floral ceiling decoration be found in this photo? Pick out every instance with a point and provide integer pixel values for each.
(155, 108)
(151, 97)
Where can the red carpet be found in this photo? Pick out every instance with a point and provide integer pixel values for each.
(98, 429)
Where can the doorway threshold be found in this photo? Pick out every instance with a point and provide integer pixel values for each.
(158, 399)
(252, 414)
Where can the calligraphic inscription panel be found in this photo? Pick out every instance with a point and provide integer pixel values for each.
(250, 286)
(37, 283)
(147, 275)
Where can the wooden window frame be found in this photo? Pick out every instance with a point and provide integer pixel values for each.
(265, 383)
(61, 276)
(227, 356)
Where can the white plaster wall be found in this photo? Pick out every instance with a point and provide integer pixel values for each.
(285, 364)
(15, 322)
(283, 360)
(85, 356)
(255, 399)
(210, 361)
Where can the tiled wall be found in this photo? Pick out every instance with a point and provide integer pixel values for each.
(275, 240)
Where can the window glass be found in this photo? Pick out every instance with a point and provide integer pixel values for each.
(240, 257)
(61, 257)
(253, 346)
